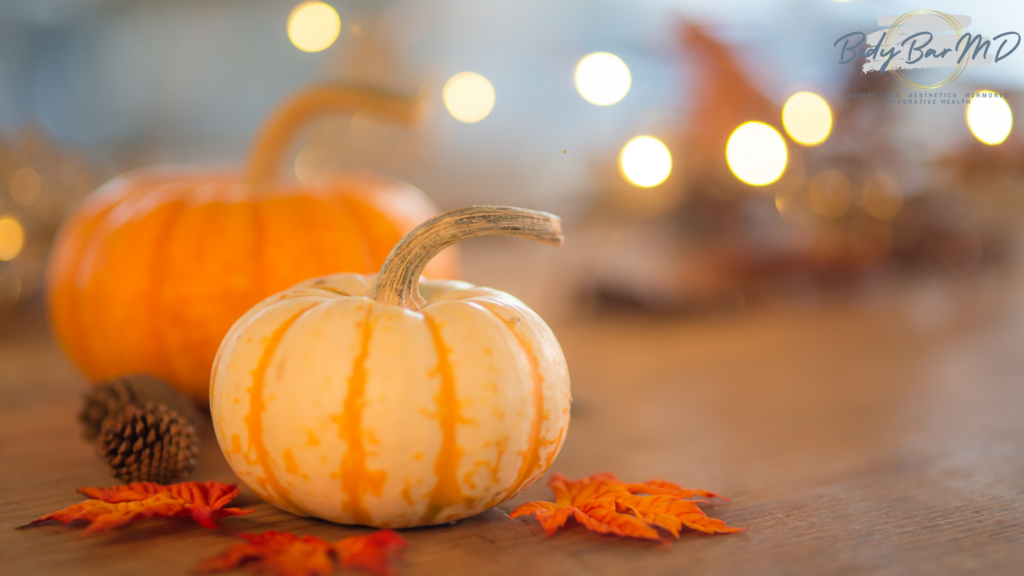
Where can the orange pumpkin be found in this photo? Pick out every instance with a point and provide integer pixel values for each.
(152, 270)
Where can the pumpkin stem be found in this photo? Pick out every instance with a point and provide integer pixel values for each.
(399, 278)
(276, 134)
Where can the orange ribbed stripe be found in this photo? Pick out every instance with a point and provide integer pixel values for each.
(254, 419)
(356, 480)
(531, 455)
(446, 491)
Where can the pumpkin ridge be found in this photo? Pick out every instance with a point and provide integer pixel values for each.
(103, 360)
(446, 491)
(156, 278)
(65, 269)
(331, 290)
(532, 459)
(259, 231)
(73, 334)
(174, 353)
(355, 478)
(254, 419)
(341, 244)
(366, 235)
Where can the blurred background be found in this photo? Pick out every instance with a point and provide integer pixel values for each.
(868, 194)
(808, 301)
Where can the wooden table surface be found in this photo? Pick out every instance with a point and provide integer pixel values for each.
(875, 432)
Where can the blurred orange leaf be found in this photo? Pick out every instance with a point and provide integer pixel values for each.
(285, 554)
(282, 553)
(372, 552)
(602, 503)
(118, 505)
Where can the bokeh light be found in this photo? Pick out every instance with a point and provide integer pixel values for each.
(645, 161)
(313, 26)
(12, 238)
(756, 153)
(25, 186)
(830, 194)
(10, 289)
(807, 118)
(882, 196)
(602, 78)
(310, 164)
(791, 208)
(468, 96)
(989, 118)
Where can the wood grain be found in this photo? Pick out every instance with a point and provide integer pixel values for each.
(880, 432)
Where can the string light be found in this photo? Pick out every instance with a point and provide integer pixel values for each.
(756, 153)
(309, 164)
(989, 118)
(12, 238)
(602, 78)
(313, 26)
(645, 161)
(468, 96)
(807, 118)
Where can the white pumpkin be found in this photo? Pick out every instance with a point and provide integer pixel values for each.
(357, 400)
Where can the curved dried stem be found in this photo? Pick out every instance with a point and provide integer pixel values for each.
(399, 278)
(277, 133)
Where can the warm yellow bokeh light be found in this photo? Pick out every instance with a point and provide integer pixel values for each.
(807, 118)
(756, 153)
(882, 196)
(989, 118)
(313, 26)
(468, 96)
(12, 238)
(602, 78)
(25, 186)
(645, 161)
(830, 194)
(310, 164)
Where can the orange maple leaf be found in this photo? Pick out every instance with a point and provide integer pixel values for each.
(118, 505)
(602, 503)
(286, 554)
(205, 501)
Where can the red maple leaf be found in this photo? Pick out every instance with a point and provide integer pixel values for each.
(602, 503)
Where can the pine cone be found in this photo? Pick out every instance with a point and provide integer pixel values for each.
(152, 443)
(110, 398)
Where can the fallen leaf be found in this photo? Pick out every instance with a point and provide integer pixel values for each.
(602, 503)
(282, 553)
(372, 552)
(118, 505)
(657, 487)
(205, 500)
(214, 494)
(285, 554)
